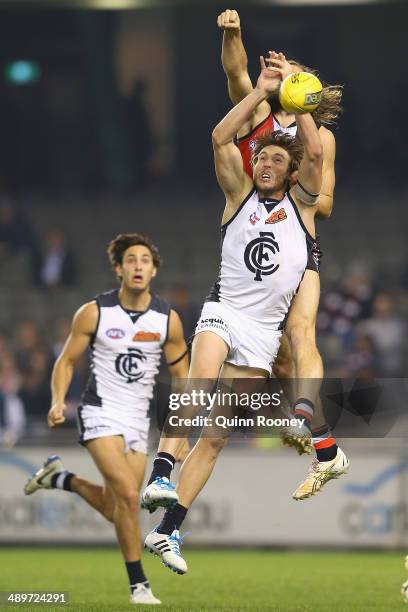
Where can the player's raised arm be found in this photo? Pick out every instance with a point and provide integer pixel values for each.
(83, 327)
(235, 63)
(307, 189)
(231, 177)
(233, 56)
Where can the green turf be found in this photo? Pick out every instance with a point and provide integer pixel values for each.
(217, 580)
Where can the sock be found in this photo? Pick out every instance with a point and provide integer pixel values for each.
(162, 466)
(304, 409)
(136, 574)
(324, 443)
(62, 480)
(172, 519)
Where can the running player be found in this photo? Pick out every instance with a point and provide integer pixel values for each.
(298, 357)
(239, 331)
(126, 329)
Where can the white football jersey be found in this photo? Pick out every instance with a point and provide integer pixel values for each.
(125, 354)
(265, 250)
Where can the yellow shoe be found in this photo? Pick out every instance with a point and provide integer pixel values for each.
(321, 472)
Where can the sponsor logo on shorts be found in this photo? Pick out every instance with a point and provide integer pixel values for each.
(259, 253)
(212, 322)
(128, 365)
(145, 336)
(96, 429)
(115, 333)
(276, 216)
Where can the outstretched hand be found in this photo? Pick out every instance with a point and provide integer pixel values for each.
(278, 62)
(270, 78)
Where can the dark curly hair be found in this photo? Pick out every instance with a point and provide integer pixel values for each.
(291, 144)
(122, 242)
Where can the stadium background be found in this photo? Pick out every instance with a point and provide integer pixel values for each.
(105, 124)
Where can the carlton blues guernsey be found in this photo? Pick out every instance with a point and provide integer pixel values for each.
(247, 143)
(125, 355)
(265, 249)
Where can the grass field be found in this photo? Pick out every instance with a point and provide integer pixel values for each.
(217, 580)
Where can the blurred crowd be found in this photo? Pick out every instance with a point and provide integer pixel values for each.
(362, 329)
(27, 352)
(27, 356)
(52, 263)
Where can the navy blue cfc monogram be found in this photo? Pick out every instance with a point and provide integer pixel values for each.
(259, 253)
(127, 364)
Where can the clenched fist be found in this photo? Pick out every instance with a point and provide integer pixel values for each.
(56, 414)
(229, 20)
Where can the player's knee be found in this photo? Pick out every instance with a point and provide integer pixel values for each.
(212, 446)
(129, 499)
(202, 370)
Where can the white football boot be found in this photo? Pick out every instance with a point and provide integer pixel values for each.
(161, 492)
(167, 547)
(42, 478)
(321, 472)
(142, 594)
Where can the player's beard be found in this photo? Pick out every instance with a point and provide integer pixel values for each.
(281, 185)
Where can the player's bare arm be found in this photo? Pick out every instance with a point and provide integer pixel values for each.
(307, 189)
(231, 177)
(83, 327)
(233, 56)
(325, 206)
(175, 349)
(235, 63)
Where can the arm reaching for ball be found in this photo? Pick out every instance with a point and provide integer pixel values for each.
(231, 176)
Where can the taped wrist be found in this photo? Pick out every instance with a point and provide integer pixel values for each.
(308, 198)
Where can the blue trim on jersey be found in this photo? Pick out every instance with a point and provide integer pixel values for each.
(167, 328)
(93, 336)
(108, 299)
(299, 218)
(90, 395)
(159, 305)
(214, 295)
(241, 206)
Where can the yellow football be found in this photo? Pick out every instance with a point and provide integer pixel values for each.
(300, 93)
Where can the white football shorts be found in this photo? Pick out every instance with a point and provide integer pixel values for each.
(95, 422)
(250, 344)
